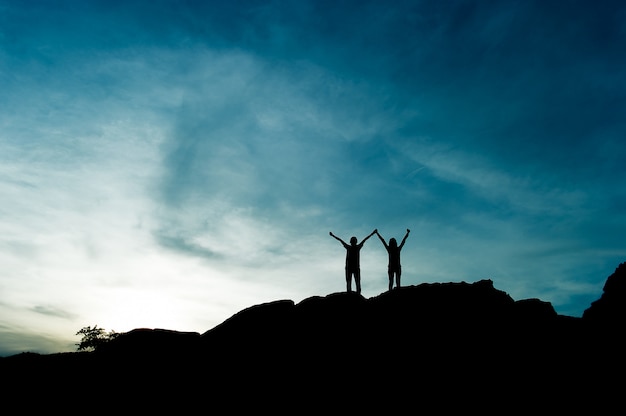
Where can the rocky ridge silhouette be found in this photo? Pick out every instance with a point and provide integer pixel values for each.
(453, 345)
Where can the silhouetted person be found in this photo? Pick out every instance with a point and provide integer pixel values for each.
(393, 249)
(353, 266)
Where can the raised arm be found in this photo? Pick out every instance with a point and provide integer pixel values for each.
(382, 240)
(337, 238)
(404, 239)
(371, 234)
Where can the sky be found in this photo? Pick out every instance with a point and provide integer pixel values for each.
(166, 164)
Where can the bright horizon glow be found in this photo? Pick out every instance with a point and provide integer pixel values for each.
(166, 165)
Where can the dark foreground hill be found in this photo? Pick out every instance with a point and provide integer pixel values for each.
(434, 348)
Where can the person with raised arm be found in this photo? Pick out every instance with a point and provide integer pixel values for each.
(393, 249)
(353, 266)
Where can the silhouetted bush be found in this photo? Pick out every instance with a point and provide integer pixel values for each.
(94, 337)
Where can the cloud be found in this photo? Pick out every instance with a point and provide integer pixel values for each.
(54, 312)
(523, 194)
(184, 246)
(262, 138)
(18, 340)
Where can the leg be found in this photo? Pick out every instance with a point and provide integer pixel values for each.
(398, 274)
(390, 273)
(348, 281)
(357, 279)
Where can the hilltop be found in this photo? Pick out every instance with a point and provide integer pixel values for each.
(409, 345)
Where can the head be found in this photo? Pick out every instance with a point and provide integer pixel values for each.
(393, 242)
(353, 241)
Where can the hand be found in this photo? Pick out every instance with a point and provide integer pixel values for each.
(331, 234)
(375, 231)
(408, 231)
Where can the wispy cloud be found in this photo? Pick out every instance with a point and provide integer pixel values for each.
(53, 311)
(527, 194)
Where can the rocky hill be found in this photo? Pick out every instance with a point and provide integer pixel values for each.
(449, 346)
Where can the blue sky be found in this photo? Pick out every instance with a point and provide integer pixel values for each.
(166, 164)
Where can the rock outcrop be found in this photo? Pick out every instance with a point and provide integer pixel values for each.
(610, 309)
(456, 346)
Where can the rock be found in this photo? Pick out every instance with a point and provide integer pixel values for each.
(610, 309)
(446, 346)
